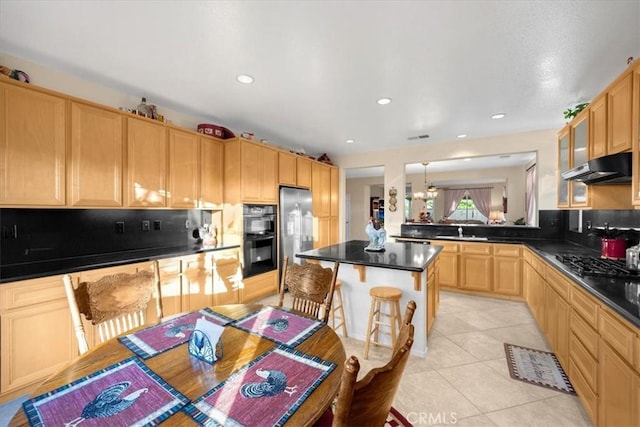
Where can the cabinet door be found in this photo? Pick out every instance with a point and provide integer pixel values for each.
(636, 135)
(196, 289)
(287, 171)
(475, 272)
(598, 132)
(448, 269)
(32, 147)
(616, 384)
(269, 181)
(321, 189)
(259, 286)
(620, 108)
(563, 165)
(303, 172)
(507, 276)
(184, 169)
(171, 288)
(334, 230)
(146, 164)
(211, 172)
(322, 232)
(579, 156)
(251, 172)
(335, 193)
(36, 335)
(227, 277)
(95, 172)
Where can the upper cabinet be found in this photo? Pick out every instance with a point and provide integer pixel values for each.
(563, 165)
(578, 155)
(184, 169)
(598, 127)
(97, 150)
(250, 172)
(146, 184)
(211, 171)
(635, 124)
(303, 172)
(32, 147)
(619, 113)
(294, 170)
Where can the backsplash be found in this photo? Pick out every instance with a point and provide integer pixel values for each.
(620, 219)
(31, 235)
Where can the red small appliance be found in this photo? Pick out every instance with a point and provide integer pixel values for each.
(614, 248)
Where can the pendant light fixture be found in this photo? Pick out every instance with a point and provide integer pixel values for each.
(429, 192)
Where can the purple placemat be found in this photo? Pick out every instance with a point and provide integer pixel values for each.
(126, 393)
(167, 335)
(280, 326)
(267, 391)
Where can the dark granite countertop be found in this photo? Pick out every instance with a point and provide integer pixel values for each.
(16, 272)
(617, 294)
(397, 256)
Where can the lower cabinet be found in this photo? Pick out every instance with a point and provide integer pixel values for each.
(507, 269)
(617, 390)
(260, 286)
(36, 334)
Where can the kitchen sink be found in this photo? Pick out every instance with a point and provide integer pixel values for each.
(461, 238)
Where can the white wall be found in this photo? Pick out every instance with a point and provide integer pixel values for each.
(544, 142)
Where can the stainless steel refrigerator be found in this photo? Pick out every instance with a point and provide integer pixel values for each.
(296, 223)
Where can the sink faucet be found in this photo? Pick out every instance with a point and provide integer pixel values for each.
(459, 231)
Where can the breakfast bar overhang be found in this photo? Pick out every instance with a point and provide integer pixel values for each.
(409, 267)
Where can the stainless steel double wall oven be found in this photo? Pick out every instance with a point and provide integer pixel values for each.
(260, 240)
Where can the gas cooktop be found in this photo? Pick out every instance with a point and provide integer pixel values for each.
(600, 267)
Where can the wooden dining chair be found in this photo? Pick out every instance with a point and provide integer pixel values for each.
(368, 401)
(114, 303)
(310, 286)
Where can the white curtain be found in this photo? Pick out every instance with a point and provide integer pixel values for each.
(482, 199)
(530, 196)
(451, 200)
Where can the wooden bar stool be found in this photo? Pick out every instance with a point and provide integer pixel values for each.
(337, 306)
(379, 296)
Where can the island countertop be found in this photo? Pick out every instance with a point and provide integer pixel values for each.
(396, 256)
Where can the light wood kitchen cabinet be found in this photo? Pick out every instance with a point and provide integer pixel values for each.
(184, 169)
(171, 289)
(226, 276)
(598, 131)
(321, 189)
(507, 269)
(334, 208)
(557, 324)
(448, 263)
(476, 266)
(211, 172)
(534, 286)
(97, 149)
(36, 333)
(578, 155)
(636, 135)
(287, 169)
(251, 172)
(617, 390)
(259, 286)
(33, 137)
(303, 172)
(197, 291)
(146, 183)
(619, 114)
(433, 294)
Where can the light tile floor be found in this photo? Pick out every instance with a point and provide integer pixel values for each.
(464, 379)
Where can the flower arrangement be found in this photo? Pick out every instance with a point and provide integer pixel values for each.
(570, 113)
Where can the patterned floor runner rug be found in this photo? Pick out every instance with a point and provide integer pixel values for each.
(537, 367)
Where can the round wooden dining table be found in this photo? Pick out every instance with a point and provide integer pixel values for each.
(193, 377)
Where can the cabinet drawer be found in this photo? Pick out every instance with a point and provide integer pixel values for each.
(586, 306)
(585, 333)
(30, 292)
(476, 248)
(506, 250)
(446, 246)
(617, 335)
(587, 364)
(558, 283)
(587, 396)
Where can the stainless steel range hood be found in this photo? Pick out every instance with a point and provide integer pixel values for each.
(611, 169)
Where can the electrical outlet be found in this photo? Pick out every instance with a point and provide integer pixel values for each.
(589, 226)
(146, 225)
(120, 227)
(157, 224)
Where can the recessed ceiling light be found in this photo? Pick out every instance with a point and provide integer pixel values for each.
(498, 116)
(350, 141)
(384, 101)
(462, 135)
(244, 78)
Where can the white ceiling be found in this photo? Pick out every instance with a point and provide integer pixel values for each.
(320, 66)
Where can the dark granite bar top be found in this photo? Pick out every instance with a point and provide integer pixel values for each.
(621, 295)
(397, 256)
(16, 272)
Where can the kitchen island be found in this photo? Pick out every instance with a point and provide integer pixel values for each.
(406, 266)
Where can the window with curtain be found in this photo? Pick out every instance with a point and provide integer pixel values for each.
(467, 211)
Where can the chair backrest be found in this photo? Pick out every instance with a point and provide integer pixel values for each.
(114, 303)
(310, 286)
(368, 401)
